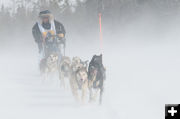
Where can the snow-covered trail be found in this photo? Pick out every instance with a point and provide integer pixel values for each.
(24, 94)
(142, 76)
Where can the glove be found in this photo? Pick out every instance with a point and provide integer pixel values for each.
(61, 35)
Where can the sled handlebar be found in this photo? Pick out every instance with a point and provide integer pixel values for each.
(60, 40)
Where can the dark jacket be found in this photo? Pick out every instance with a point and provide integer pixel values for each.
(38, 36)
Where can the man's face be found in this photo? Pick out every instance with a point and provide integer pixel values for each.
(45, 19)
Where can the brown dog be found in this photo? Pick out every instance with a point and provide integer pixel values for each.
(49, 64)
(79, 79)
(64, 70)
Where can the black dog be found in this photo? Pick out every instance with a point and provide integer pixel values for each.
(96, 76)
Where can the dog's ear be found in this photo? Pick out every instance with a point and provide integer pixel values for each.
(86, 63)
(73, 59)
(94, 56)
(101, 58)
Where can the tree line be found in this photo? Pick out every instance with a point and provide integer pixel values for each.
(79, 14)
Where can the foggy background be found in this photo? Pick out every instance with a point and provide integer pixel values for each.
(140, 51)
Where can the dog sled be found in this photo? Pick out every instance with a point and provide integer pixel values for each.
(52, 53)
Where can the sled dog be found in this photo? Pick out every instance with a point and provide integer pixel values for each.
(96, 77)
(64, 70)
(79, 79)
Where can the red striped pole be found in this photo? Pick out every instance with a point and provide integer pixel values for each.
(100, 31)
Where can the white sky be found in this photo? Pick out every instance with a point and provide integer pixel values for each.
(8, 2)
(5, 2)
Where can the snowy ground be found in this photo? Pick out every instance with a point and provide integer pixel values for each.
(142, 76)
(25, 95)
